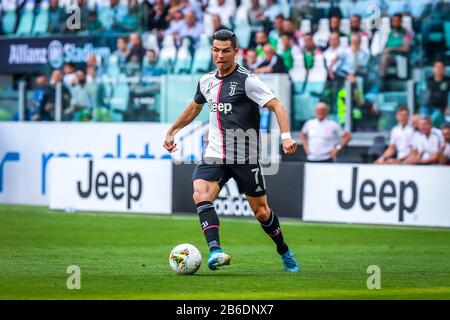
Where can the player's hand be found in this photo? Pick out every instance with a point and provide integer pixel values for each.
(169, 144)
(289, 146)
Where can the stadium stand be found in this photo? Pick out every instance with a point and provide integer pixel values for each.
(374, 97)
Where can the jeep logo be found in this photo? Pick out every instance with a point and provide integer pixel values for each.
(368, 195)
(119, 185)
(221, 107)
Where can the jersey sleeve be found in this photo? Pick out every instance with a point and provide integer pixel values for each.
(257, 91)
(199, 98)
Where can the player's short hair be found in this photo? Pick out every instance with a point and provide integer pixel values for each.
(225, 35)
(446, 125)
(402, 108)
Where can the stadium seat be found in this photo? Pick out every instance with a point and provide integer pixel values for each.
(243, 33)
(202, 56)
(378, 42)
(113, 68)
(150, 41)
(168, 53)
(184, 58)
(407, 23)
(104, 13)
(207, 23)
(41, 20)
(447, 35)
(285, 8)
(345, 26)
(120, 98)
(9, 19)
(305, 26)
(320, 38)
(26, 20)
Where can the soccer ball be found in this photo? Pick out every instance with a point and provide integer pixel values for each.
(185, 259)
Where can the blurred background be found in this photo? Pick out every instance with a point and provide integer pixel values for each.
(139, 61)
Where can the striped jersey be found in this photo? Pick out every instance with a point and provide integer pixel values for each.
(234, 102)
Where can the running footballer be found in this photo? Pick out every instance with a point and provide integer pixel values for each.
(234, 96)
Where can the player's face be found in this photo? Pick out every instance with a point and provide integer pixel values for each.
(223, 54)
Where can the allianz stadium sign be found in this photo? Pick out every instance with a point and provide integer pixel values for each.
(31, 55)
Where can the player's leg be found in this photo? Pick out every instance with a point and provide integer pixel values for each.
(204, 194)
(271, 225)
(250, 180)
(207, 182)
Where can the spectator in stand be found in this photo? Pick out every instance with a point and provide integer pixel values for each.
(39, 103)
(353, 61)
(135, 17)
(286, 51)
(276, 33)
(80, 103)
(332, 54)
(355, 26)
(272, 63)
(92, 69)
(438, 87)
(427, 145)
(251, 60)
(256, 19)
(223, 9)
(69, 74)
(289, 28)
(57, 78)
(445, 150)
(322, 139)
(56, 23)
(157, 17)
(150, 68)
(401, 140)
(398, 42)
(136, 47)
(190, 28)
(94, 25)
(217, 23)
(192, 5)
(310, 51)
(117, 14)
(335, 25)
(122, 52)
(272, 10)
(261, 40)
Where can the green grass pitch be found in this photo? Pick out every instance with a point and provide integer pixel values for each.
(123, 256)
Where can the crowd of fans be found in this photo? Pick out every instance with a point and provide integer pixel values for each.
(277, 44)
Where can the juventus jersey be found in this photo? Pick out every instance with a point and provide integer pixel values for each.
(234, 102)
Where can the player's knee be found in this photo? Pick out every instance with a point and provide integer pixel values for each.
(262, 213)
(199, 196)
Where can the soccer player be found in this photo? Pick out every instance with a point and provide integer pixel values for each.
(234, 96)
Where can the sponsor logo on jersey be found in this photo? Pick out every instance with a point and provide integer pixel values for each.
(220, 107)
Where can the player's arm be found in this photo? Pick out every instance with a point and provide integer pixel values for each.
(186, 117)
(289, 144)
